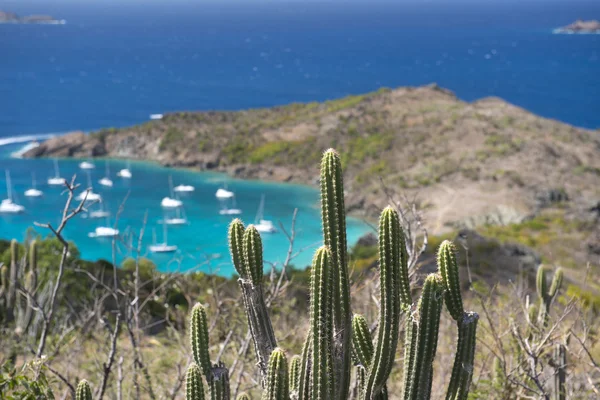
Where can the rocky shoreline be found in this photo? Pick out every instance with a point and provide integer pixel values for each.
(580, 26)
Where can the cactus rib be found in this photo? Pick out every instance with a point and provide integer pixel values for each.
(194, 388)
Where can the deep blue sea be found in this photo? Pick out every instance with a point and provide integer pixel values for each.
(115, 63)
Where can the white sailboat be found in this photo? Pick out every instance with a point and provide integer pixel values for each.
(163, 247)
(171, 202)
(224, 196)
(125, 172)
(106, 181)
(100, 212)
(7, 205)
(33, 192)
(89, 195)
(104, 231)
(184, 188)
(56, 180)
(86, 165)
(178, 219)
(263, 225)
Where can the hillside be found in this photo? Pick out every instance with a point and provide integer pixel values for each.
(467, 163)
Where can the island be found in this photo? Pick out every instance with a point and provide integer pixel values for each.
(580, 26)
(12, 18)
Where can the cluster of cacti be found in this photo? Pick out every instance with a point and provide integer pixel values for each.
(335, 338)
(20, 276)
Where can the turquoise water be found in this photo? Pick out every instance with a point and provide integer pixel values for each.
(204, 238)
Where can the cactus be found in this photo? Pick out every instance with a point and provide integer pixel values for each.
(448, 269)
(199, 340)
(323, 379)
(11, 293)
(194, 389)
(362, 344)
(277, 387)
(425, 338)
(246, 254)
(462, 371)
(294, 373)
(391, 251)
(560, 373)
(333, 215)
(83, 391)
(546, 295)
(305, 371)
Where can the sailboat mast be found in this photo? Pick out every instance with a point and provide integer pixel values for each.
(171, 186)
(8, 185)
(33, 179)
(165, 232)
(56, 172)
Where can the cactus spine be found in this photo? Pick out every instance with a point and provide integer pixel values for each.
(391, 245)
(425, 338)
(194, 389)
(323, 379)
(83, 391)
(277, 387)
(245, 245)
(333, 215)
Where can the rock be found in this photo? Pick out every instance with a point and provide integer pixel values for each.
(580, 26)
(367, 240)
(550, 197)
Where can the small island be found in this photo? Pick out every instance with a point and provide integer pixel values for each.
(580, 26)
(12, 18)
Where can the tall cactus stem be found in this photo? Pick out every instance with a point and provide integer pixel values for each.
(236, 238)
(294, 374)
(333, 215)
(448, 269)
(362, 343)
(304, 389)
(83, 392)
(560, 373)
(410, 348)
(253, 255)
(199, 340)
(219, 384)
(429, 309)
(556, 283)
(277, 387)
(194, 388)
(462, 371)
(323, 380)
(390, 259)
(13, 276)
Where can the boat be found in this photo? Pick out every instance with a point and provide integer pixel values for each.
(263, 225)
(8, 206)
(178, 219)
(125, 172)
(184, 188)
(56, 180)
(230, 211)
(224, 194)
(163, 247)
(104, 231)
(33, 192)
(106, 181)
(156, 116)
(99, 213)
(89, 195)
(171, 202)
(86, 165)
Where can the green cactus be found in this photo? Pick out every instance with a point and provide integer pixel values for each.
(199, 340)
(294, 373)
(425, 338)
(277, 387)
(194, 388)
(323, 380)
(362, 343)
(236, 249)
(4, 283)
(84, 392)
(219, 387)
(244, 396)
(391, 245)
(246, 254)
(462, 371)
(11, 294)
(448, 269)
(410, 332)
(304, 388)
(560, 371)
(546, 295)
(333, 213)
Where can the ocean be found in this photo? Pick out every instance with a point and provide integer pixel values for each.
(115, 63)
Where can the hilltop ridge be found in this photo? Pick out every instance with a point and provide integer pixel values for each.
(468, 164)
